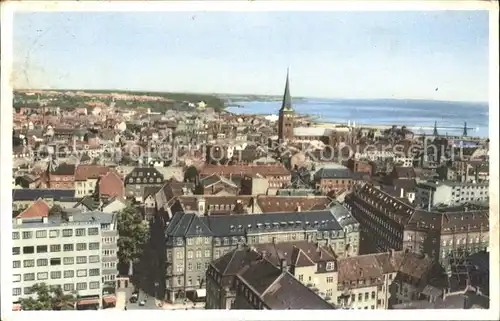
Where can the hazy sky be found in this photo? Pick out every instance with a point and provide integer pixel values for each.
(330, 54)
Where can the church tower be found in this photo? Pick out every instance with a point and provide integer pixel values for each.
(286, 115)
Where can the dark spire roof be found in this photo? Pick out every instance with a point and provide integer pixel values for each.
(435, 129)
(465, 129)
(286, 105)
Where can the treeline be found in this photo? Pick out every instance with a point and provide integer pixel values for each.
(71, 102)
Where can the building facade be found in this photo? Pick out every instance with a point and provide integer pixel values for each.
(193, 241)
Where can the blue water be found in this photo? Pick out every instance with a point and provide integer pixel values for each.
(412, 113)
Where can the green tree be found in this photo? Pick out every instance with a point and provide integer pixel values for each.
(55, 210)
(190, 174)
(48, 299)
(134, 235)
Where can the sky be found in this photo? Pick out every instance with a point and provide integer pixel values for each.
(438, 55)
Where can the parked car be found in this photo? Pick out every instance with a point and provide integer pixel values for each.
(134, 298)
(142, 303)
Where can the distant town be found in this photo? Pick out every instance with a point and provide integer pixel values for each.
(133, 201)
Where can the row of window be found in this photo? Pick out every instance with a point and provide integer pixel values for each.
(54, 275)
(67, 287)
(56, 261)
(68, 232)
(56, 248)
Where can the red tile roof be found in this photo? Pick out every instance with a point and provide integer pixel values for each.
(271, 204)
(264, 170)
(38, 209)
(111, 185)
(84, 172)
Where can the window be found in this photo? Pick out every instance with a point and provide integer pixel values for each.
(27, 290)
(190, 254)
(68, 247)
(55, 248)
(81, 246)
(81, 260)
(198, 254)
(190, 267)
(207, 253)
(81, 286)
(41, 249)
(28, 250)
(94, 246)
(69, 274)
(42, 262)
(41, 234)
(94, 272)
(360, 296)
(16, 250)
(68, 287)
(16, 264)
(198, 266)
(16, 291)
(373, 294)
(55, 275)
(29, 277)
(69, 260)
(330, 266)
(190, 241)
(329, 279)
(28, 263)
(15, 235)
(301, 277)
(42, 276)
(93, 231)
(81, 273)
(80, 232)
(366, 295)
(27, 235)
(53, 234)
(94, 285)
(67, 232)
(55, 261)
(93, 258)
(16, 278)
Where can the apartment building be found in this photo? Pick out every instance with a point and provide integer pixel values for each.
(246, 279)
(451, 193)
(66, 251)
(193, 241)
(389, 222)
(373, 281)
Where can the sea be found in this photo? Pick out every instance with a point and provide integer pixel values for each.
(418, 115)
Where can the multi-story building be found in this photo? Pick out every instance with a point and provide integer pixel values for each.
(246, 279)
(389, 222)
(334, 180)
(276, 174)
(451, 193)
(193, 241)
(66, 251)
(373, 281)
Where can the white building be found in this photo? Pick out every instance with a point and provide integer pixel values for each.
(451, 193)
(77, 253)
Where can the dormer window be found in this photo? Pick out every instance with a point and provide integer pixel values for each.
(330, 266)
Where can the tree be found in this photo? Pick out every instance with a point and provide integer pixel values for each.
(48, 299)
(55, 210)
(190, 174)
(134, 235)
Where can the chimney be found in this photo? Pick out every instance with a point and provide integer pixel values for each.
(283, 265)
(402, 194)
(45, 219)
(299, 208)
(70, 218)
(19, 221)
(201, 205)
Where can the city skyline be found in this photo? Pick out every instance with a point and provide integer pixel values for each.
(433, 55)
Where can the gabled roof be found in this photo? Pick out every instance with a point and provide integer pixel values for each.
(37, 210)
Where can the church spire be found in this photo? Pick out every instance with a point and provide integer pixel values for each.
(286, 105)
(435, 129)
(465, 129)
